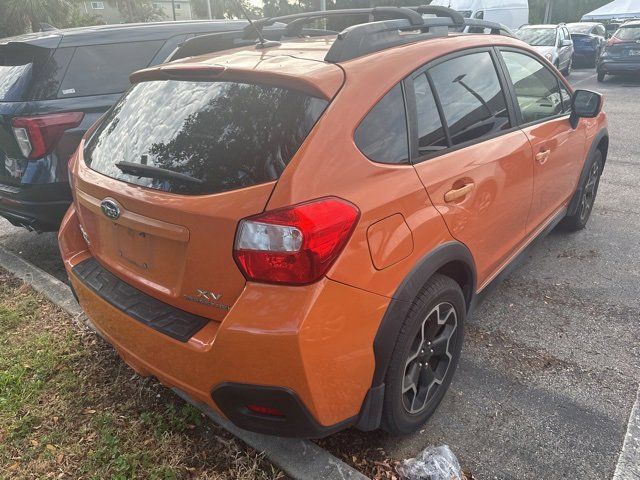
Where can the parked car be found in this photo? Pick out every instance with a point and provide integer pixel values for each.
(287, 236)
(510, 13)
(621, 53)
(53, 86)
(588, 41)
(553, 42)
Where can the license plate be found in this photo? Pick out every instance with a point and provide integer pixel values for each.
(634, 52)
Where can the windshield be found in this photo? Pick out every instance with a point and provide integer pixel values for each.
(579, 28)
(538, 37)
(628, 34)
(228, 135)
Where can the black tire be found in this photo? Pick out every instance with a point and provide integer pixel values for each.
(433, 364)
(601, 76)
(590, 184)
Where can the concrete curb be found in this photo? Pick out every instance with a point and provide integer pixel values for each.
(300, 459)
(628, 467)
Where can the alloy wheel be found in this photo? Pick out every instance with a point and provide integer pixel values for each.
(590, 190)
(429, 358)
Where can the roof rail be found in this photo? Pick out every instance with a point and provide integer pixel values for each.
(375, 14)
(385, 29)
(366, 38)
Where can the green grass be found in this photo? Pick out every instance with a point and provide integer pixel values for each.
(69, 407)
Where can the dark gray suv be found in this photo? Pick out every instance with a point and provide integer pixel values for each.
(53, 87)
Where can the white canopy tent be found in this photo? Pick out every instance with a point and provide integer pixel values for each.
(616, 9)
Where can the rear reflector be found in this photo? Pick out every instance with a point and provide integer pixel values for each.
(38, 136)
(294, 245)
(270, 411)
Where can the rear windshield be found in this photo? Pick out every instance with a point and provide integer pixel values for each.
(223, 135)
(628, 33)
(16, 72)
(30, 73)
(579, 28)
(538, 37)
(14, 80)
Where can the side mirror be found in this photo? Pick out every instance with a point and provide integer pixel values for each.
(585, 104)
(566, 43)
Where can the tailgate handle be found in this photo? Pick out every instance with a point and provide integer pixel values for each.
(458, 193)
(135, 221)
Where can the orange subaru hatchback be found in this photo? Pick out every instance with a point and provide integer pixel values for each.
(294, 232)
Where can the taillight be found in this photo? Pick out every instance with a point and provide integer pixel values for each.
(72, 183)
(613, 41)
(294, 245)
(37, 136)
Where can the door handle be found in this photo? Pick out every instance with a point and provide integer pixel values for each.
(543, 156)
(458, 193)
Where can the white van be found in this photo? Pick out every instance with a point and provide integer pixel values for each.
(511, 13)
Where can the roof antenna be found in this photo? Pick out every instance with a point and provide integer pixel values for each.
(262, 42)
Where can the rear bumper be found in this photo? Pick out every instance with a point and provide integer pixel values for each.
(612, 66)
(39, 208)
(304, 351)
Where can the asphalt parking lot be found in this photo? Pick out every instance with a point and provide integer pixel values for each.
(551, 361)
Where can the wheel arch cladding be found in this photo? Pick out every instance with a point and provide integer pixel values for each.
(600, 142)
(603, 145)
(452, 259)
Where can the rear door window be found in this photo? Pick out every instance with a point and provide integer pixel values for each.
(105, 69)
(537, 88)
(382, 136)
(471, 97)
(431, 136)
(221, 135)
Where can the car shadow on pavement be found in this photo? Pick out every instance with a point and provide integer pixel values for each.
(627, 80)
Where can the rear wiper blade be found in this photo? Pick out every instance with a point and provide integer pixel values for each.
(149, 171)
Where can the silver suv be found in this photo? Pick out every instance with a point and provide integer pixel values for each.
(553, 42)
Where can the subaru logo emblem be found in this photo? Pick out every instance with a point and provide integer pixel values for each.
(110, 209)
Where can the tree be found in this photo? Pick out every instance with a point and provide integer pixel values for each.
(23, 15)
(225, 8)
(136, 11)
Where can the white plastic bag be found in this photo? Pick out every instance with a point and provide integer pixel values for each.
(434, 463)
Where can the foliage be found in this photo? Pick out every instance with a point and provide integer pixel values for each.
(78, 18)
(136, 11)
(19, 16)
(225, 8)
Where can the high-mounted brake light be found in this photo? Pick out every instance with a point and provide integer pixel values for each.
(294, 245)
(38, 136)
